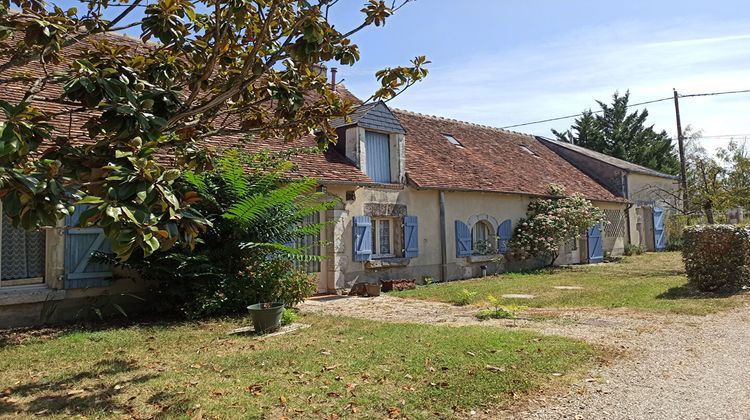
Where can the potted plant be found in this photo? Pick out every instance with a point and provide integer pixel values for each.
(275, 284)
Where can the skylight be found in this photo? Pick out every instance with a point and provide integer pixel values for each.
(452, 140)
(528, 150)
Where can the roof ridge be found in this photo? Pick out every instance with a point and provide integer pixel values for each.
(473, 124)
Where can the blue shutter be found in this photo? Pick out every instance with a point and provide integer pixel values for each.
(660, 237)
(411, 237)
(80, 244)
(596, 250)
(463, 239)
(377, 156)
(504, 234)
(362, 238)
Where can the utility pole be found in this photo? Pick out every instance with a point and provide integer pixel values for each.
(681, 145)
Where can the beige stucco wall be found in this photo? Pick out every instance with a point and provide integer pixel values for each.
(341, 271)
(649, 191)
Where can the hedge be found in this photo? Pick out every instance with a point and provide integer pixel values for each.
(717, 257)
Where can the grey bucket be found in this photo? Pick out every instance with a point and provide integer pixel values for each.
(266, 320)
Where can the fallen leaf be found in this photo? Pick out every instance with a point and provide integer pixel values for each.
(332, 367)
(472, 354)
(333, 394)
(393, 412)
(76, 392)
(282, 401)
(254, 389)
(494, 368)
(557, 374)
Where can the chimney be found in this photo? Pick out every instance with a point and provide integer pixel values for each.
(333, 77)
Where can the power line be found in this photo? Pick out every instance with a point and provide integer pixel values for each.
(629, 106)
(728, 92)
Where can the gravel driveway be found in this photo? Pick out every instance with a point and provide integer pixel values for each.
(675, 366)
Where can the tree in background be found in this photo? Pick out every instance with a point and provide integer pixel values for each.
(216, 68)
(716, 182)
(615, 132)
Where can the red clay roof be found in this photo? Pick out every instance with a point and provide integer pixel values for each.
(489, 159)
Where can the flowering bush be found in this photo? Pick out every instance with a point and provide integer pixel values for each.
(551, 221)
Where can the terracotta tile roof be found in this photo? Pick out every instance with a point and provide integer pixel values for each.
(489, 159)
(328, 167)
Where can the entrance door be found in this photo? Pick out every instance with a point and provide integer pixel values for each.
(311, 246)
(660, 237)
(595, 246)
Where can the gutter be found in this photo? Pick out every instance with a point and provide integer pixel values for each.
(443, 239)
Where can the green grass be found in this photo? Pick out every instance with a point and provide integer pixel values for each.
(338, 366)
(654, 281)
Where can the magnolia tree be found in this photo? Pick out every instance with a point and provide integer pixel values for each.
(549, 222)
(243, 68)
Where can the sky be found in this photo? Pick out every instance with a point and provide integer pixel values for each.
(505, 62)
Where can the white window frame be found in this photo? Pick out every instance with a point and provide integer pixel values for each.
(491, 237)
(376, 239)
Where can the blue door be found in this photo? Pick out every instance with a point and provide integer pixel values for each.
(660, 237)
(81, 271)
(378, 156)
(596, 250)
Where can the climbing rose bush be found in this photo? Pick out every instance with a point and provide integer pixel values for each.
(551, 221)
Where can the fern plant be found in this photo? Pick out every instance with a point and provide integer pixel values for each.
(257, 213)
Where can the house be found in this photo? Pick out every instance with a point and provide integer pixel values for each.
(419, 196)
(652, 194)
(441, 198)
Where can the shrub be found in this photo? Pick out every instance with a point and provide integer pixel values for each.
(551, 221)
(247, 256)
(464, 298)
(632, 249)
(717, 257)
(288, 316)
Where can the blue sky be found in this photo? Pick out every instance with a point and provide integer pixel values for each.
(501, 62)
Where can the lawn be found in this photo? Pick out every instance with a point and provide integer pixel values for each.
(654, 281)
(337, 367)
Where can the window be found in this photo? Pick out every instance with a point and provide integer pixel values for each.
(382, 238)
(311, 246)
(23, 255)
(528, 150)
(481, 238)
(452, 140)
(378, 156)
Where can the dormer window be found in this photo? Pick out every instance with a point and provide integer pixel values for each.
(378, 156)
(452, 140)
(373, 139)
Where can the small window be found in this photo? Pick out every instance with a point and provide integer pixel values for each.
(452, 140)
(528, 150)
(481, 238)
(378, 156)
(382, 238)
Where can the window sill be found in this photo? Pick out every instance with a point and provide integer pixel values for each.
(485, 258)
(387, 263)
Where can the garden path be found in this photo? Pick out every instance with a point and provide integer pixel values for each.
(672, 367)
